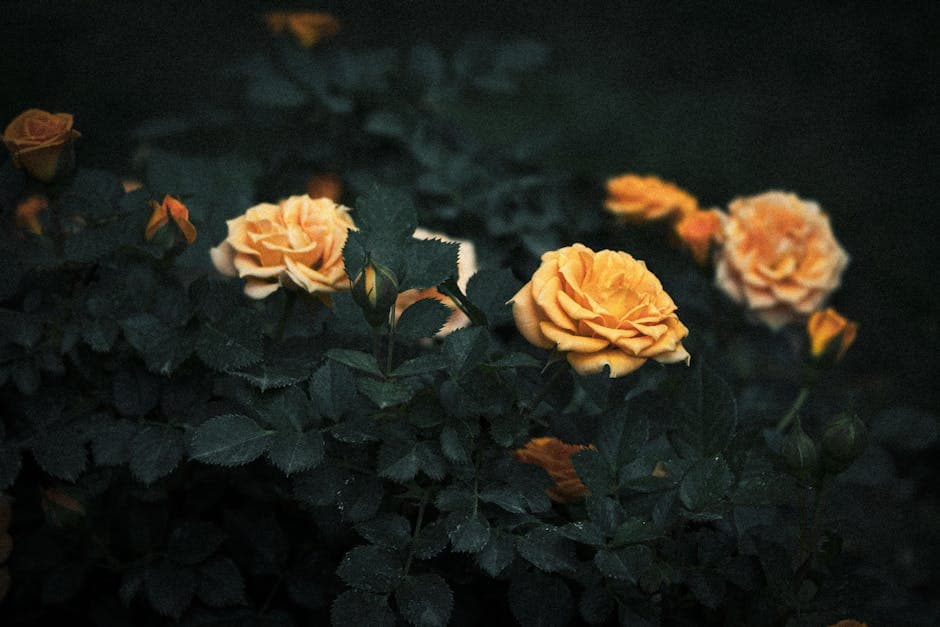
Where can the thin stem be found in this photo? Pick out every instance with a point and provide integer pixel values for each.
(418, 522)
(285, 316)
(794, 410)
(391, 340)
(452, 290)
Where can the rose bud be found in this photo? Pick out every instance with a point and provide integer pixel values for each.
(27, 213)
(843, 441)
(162, 212)
(42, 143)
(375, 290)
(830, 335)
(799, 452)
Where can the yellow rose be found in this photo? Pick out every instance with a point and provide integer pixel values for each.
(163, 212)
(848, 622)
(825, 327)
(554, 456)
(602, 309)
(647, 198)
(297, 243)
(307, 27)
(28, 210)
(41, 143)
(698, 230)
(779, 257)
(466, 268)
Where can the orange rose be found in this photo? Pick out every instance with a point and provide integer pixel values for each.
(27, 213)
(825, 327)
(307, 27)
(848, 622)
(602, 309)
(162, 212)
(41, 143)
(779, 257)
(298, 243)
(327, 185)
(698, 229)
(647, 198)
(466, 268)
(554, 456)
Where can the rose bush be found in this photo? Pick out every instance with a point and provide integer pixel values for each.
(297, 242)
(779, 257)
(600, 309)
(41, 142)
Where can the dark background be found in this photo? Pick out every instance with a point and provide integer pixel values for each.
(836, 103)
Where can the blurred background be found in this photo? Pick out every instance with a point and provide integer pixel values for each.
(834, 102)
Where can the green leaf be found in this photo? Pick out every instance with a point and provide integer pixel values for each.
(705, 484)
(229, 440)
(596, 605)
(465, 348)
(359, 497)
(584, 532)
(430, 262)
(388, 530)
(154, 452)
(548, 550)
(497, 554)
(906, 429)
(593, 472)
(626, 563)
(230, 344)
(371, 569)
(135, 392)
(706, 415)
(169, 588)
(490, 291)
(423, 364)
(193, 542)
(431, 540)
(604, 512)
(634, 531)
(620, 439)
(469, 534)
(293, 452)
(425, 600)
(385, 124)
(356, 359)
(60, 452)
(398, 460)
(540, 600)
(274, 374)
(422, 319)
(385, 394)
(457, 442)
(220, 583)
(361, 608)
(163, 347)
(516, 360)
(333, 389)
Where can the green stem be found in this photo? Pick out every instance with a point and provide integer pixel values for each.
(418, 522)
(391, 341)
(285, 316)
(450, 289)
(794, 410)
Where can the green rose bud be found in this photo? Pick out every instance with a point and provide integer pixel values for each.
(843, 441)
(375, 290)
(799, 452)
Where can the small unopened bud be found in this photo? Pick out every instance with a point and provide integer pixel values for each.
(375, 290)
(844, 440)
(799, 452)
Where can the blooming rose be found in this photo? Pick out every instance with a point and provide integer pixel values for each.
(602, 309)
(41, 142)
(554, 456)
(307, 27)
(825, 327)
(647, 198)
(699, 229)
(298, 242)
(162, 212)
(466, 268)
(779, 257)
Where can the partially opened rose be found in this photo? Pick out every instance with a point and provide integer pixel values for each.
(779, 257)
(699, 230)
(829, 330)
(554, 456)
(41, 142)
(639, 198)
(307, 27)
(600, 309)
(297, 243)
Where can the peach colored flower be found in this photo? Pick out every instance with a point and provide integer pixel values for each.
(297, 242)
(162, 212)
(327, 185)
(307, 27)
(466, 268)
(28, 210)
(554, 456)
(602, 309)
(825, 328)
(699, 229)
(848, 622)
(41, 142)
(779, 257)
(641, 198)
